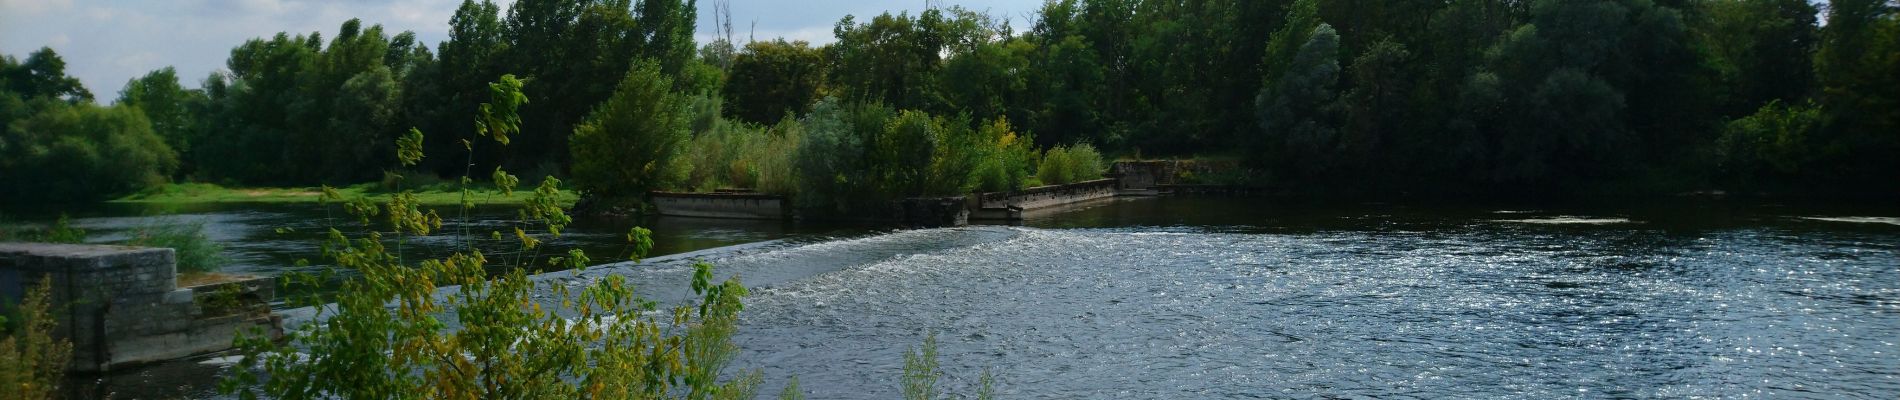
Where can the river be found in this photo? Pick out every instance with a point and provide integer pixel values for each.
(1239, 298)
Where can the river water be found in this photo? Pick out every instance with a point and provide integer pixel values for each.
(1236, 298)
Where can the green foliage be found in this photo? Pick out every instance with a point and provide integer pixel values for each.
(629, 144)
(770, 79)
(193, 251)
(1298, 108)
(1066, 165)
(830, 160)
(388, 334)
(42, 75)
(59, 231)
(741, 155)
(81, 153)
(32, 360)
(172, 109)
(922, 371)
(903, 155)
(1006, 159)
(1457, 98)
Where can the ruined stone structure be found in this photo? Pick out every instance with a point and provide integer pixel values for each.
(120, 306)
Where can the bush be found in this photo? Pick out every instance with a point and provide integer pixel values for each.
(830, 161)
(1006, 161)
(905, 154)
(740, 155)
(60, 231)
(81, 153)
(1775, 143)
(32, 361)
(631, 143)
(1066, 165)
(195, 253)
(384, 335)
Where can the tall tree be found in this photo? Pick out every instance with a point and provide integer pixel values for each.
(43, 74)
(172, 109)
(769, 80)
(1298, 110)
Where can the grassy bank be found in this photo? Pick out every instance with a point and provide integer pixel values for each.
(204, 193)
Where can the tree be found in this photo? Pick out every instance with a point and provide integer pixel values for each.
(1298, 109)
(172, 109)
(769, 80)
(903, 155)
(43, 74)
(829, 159)
(81, 153)
(1858, 69)
(1376, 113)
(629, 144)
(1761, 50)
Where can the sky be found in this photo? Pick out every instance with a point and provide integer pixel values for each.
(108, 42)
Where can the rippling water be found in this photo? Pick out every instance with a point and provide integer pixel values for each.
(1464, 308)
(1217, 298)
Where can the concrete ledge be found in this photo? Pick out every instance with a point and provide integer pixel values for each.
(1010, 206)
(721, 205)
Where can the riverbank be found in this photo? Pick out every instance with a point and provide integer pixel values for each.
(205, 193)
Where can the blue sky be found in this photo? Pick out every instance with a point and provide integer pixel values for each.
(107, 42)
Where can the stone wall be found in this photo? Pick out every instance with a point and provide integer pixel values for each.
(121, 305)
(721, 205)
(1142, 175)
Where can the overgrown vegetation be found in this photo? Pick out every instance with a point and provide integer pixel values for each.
(633, 143)
(1066, 165)
(388, 335)
(59, 231)
(194, 252)
(32, 361)
(1321, 97)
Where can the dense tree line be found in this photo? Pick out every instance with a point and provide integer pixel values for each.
(1352, 97)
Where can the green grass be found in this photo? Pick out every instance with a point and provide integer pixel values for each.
(431, 195)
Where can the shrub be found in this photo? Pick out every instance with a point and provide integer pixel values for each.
(384, 335)
(905, 154)
(60, 231)
(1777, 141)
(829, 164)
(81, 153)
(1086, 162)
(1006, 161)
(1054, 167)
(631, 143)
(1066, 165)
(740, 155)
(32, 361)
(195, 253)
(922, 371)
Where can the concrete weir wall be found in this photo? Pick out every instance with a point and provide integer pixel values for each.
(721, 205)
(1009, 206)
(120, 306)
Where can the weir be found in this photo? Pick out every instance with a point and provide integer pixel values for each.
(1125, 178)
